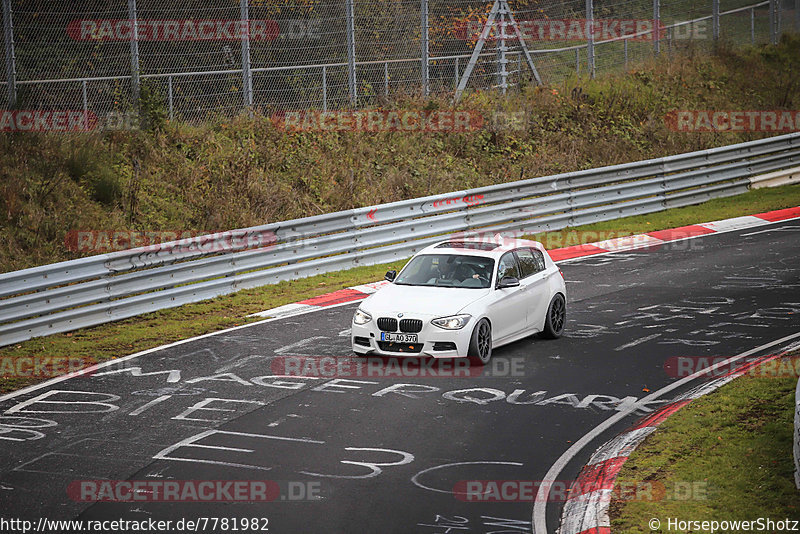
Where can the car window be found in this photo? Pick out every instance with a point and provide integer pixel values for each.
(539, 259)
(447, 270)
(528, 263)
(507, 266)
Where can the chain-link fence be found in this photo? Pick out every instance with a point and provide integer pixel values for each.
(198, 57)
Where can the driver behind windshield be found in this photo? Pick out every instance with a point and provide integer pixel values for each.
(447, 271)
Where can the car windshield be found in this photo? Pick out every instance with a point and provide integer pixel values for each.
(447, 270)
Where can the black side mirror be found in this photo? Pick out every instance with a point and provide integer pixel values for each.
(508, 281)
(390, 275)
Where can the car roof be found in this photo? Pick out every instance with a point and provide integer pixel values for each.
(488, 247)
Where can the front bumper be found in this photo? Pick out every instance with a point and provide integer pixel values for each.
(432, 341)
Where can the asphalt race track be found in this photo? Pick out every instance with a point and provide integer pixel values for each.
(386, 453)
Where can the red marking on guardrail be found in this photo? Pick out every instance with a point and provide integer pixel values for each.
(469, 200)
(371, 214)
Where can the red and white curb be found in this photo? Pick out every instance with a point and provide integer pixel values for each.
(650, 240)
(659, 237)
(587, 513)
(342, 296)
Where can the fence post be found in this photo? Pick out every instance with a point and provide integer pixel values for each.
(625, 48)
(132, 16)
(773, 21)
(590, 37)
(577, 62)
(247, 74)
(171, 114)
(85, 106)
(656, 27)
(502, 61)
(386, 79)
(324, 88)
(425, 31)
(752, 25)
(797, 16)
(351, 52)
(715, 20)
(11, 66)
(457, 72)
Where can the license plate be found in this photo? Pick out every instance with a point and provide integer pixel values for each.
(398, 338)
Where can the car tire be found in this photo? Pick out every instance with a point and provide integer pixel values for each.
(480, 344)
(556, 318)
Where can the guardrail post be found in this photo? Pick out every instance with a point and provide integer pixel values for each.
(247, 74)
(132, 16)
(351, 52)
(425, 37)
(11, 60)
(590, 37)
(715, 20)
(656, 30)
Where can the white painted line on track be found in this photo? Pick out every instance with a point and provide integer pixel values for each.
(779, 229)
(93, 368)
(637, 341)
(634, 248)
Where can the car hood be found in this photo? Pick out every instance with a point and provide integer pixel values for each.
(418, 300)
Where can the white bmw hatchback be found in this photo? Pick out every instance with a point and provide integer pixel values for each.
(462, 298)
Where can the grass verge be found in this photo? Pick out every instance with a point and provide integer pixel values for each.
(117, 339)
(725, 456)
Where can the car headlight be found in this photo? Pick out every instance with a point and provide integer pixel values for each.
(454, 322)
(361, 317)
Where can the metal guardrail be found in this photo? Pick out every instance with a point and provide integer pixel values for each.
(98, 289)
(775, 179)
